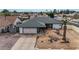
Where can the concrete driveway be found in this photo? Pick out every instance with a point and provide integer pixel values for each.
(25, 43)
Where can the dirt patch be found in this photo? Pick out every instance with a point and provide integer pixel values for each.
(72, 36)
(7, 40)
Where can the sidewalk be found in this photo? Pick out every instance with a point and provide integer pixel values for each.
(24, 43)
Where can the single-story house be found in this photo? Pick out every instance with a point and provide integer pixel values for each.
(37, 24)
(7, 24)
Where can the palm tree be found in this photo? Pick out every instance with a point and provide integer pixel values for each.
(65, 29)
(65, 21)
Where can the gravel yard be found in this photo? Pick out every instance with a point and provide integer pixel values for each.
(44, 43)
(7, 40)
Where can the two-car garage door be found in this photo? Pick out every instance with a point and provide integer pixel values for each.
(28, 30)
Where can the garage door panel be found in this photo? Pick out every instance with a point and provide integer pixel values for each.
(30, 30)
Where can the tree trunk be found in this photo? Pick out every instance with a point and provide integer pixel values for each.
(36, 41)
(64, 34)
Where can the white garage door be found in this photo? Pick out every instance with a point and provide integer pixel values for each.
(29, 30)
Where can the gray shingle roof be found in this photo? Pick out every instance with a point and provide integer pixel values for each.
(31, 23)
(38, 22)
(47, 20)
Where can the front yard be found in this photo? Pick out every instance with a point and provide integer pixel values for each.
(16, 41)
(7, 40)
(23, 42)
(44, 42)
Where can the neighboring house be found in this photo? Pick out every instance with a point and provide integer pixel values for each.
(38, 24)
(58, 18)
(17, 21)
(7, 25)
(22, 18)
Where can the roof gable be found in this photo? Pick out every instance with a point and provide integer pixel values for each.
(38, 22)
(31, 23)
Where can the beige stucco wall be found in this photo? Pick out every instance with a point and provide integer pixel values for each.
(20, 30)
(0, 30)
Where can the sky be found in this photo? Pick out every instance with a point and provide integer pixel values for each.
(35, 10)
(27, 10)
(38, 5)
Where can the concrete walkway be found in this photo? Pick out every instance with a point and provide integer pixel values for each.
(25, 43)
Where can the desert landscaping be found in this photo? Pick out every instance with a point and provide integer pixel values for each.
(44, 43)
